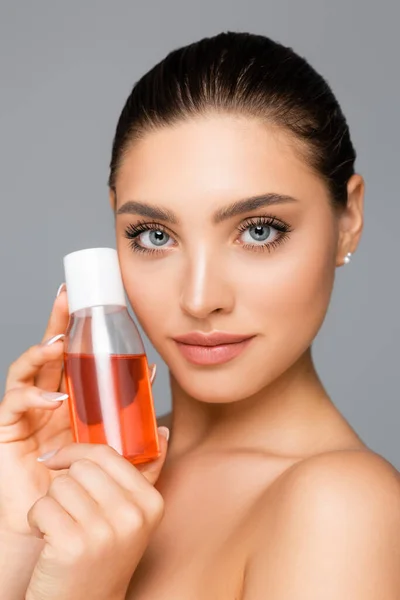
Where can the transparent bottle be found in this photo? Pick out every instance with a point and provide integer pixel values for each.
(106, 369)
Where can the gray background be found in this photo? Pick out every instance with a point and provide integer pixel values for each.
(66, 69)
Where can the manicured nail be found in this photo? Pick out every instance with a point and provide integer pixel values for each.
(53, 339)
(61, 289)
(153, 373)
(47, 455)
(54, 396)
(164, 431)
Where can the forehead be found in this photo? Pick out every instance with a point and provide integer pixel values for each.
(214, 159)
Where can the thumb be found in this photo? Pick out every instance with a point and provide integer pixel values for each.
(152, 470)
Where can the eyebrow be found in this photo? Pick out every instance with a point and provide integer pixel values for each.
(228, 212)
(248, 204)
(134, 207)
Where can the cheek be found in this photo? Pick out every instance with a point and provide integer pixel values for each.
(295, 291)
(292, 302)
(149, 291)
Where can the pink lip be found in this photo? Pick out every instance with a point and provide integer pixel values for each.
(213, 348)
(215, 338)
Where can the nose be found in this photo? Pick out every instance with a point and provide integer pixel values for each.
(206, 288)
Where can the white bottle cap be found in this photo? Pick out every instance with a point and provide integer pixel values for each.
(93, 278)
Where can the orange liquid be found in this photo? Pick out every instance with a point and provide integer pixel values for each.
(110, 402)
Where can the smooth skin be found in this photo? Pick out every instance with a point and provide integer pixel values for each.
(267, 491)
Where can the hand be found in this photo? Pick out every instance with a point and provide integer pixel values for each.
(96, 521)
(31, 424)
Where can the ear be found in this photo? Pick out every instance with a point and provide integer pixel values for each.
(113, 199)
(351, 219)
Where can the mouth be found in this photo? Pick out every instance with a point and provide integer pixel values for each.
(211, 349)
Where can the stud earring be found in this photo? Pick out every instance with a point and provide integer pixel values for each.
(347, 258)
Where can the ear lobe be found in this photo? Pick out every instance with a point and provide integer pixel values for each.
(351, 219)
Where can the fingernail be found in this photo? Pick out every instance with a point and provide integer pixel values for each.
(53, 339)
(54, 396)
(164, 431)
(46, 455)
(153, 373)
(61, 289)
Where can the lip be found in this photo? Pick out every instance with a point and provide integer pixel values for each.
(211, 349)
(215, 338)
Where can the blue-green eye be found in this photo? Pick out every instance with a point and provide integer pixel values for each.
(156, 238)
(148, 237)
(257, 233)
(262, 233)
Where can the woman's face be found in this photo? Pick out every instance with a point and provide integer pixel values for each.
(222, 226)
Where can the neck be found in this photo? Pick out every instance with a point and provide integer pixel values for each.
(292, 416)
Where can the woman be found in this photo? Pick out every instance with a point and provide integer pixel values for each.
(235, 198)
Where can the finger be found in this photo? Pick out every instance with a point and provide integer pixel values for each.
(63, 382)
(56, 526)
(152, 470)
(18, 401)
(108, 498)
(23, 370)
(122, 510)
(59, 316)
(73, 496)
(50, 375)
(124, 473)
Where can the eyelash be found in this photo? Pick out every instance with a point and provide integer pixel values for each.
(282, 228)
(134, 230)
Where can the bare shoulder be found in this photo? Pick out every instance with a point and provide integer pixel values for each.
(343, 471)
(344, 484)
(329, 528)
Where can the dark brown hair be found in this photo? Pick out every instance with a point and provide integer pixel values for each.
(247, 74)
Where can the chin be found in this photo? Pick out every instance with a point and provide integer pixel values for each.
(222, 384)
(216, 390)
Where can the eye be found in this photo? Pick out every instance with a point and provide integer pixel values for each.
(157, 238)
(148, 237)
(263, 233)
(258, 233)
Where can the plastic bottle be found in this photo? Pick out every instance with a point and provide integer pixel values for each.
(106, 369)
